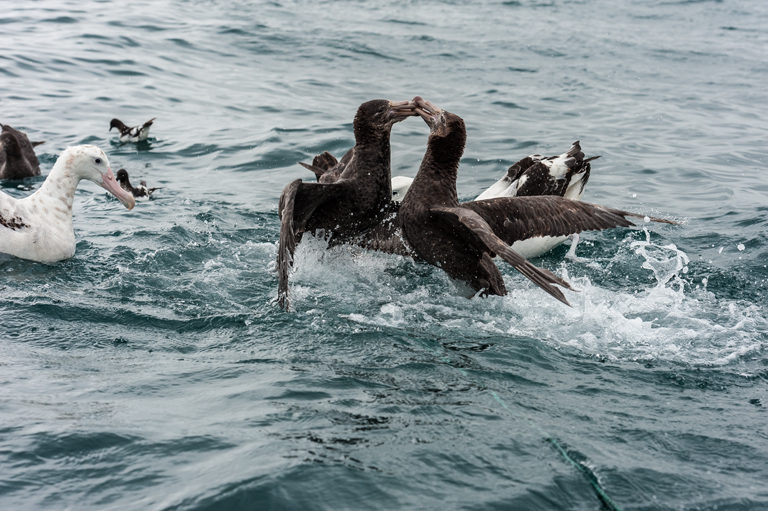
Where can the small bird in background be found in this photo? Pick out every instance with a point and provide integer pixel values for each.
(134, 134)
(139, 192)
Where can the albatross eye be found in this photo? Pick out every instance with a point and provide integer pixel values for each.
(97, 160)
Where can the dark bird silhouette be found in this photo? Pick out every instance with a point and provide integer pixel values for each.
(356, 199)
(462, 239)
(17, 156)
(564, 175)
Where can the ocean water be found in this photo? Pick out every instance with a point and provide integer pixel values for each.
(154, 370)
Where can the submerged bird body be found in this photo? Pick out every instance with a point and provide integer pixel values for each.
(462, 238)
(132, 134)
(17, 156)
(138, 192)
(39, 227)
(356, 196)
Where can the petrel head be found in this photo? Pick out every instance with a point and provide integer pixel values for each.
(382, 113)
(441, 123)
(116, 123)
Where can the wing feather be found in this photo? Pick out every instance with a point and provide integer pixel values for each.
(518, 218)
(298, 202)
(480, 228)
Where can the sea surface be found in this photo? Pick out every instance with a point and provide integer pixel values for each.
(155, 371)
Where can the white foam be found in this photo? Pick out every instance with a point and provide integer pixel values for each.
(671, 320)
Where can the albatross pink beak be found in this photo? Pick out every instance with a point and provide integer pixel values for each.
(110, 184)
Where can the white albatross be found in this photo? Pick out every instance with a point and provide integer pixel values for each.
(39, 227)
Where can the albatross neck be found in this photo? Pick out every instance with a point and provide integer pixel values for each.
(58, 190)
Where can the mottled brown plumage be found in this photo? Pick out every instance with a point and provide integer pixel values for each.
(463, 238)
(357, 198)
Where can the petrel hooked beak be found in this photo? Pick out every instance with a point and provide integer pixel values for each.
(110, 184)
(427, 110)
(402, 109)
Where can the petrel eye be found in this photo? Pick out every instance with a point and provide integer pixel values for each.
(97, 160)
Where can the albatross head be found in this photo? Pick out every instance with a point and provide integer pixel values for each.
(89, 162)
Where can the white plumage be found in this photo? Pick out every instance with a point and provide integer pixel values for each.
(39, 227)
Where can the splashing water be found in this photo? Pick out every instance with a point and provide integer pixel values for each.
(664, 261)
(661, 323)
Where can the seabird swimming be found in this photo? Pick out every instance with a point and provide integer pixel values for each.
(357, 197)
(138, 192)
(39, 227)
(565, 175)
(17, 158)
(134, 134)
(462, 238)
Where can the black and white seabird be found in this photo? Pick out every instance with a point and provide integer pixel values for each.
(564, 175)
(17, 156)
(39, 227)
(462, 238)
(139, 192)
(357, 197)
(132, 134)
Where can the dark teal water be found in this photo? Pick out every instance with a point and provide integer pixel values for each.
(155, 371)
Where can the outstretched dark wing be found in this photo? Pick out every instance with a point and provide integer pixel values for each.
(480, 228)
(326, 166)
(297, 203)
(321, 164)
(518, 218)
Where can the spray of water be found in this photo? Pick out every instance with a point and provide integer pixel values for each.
(673, 319)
